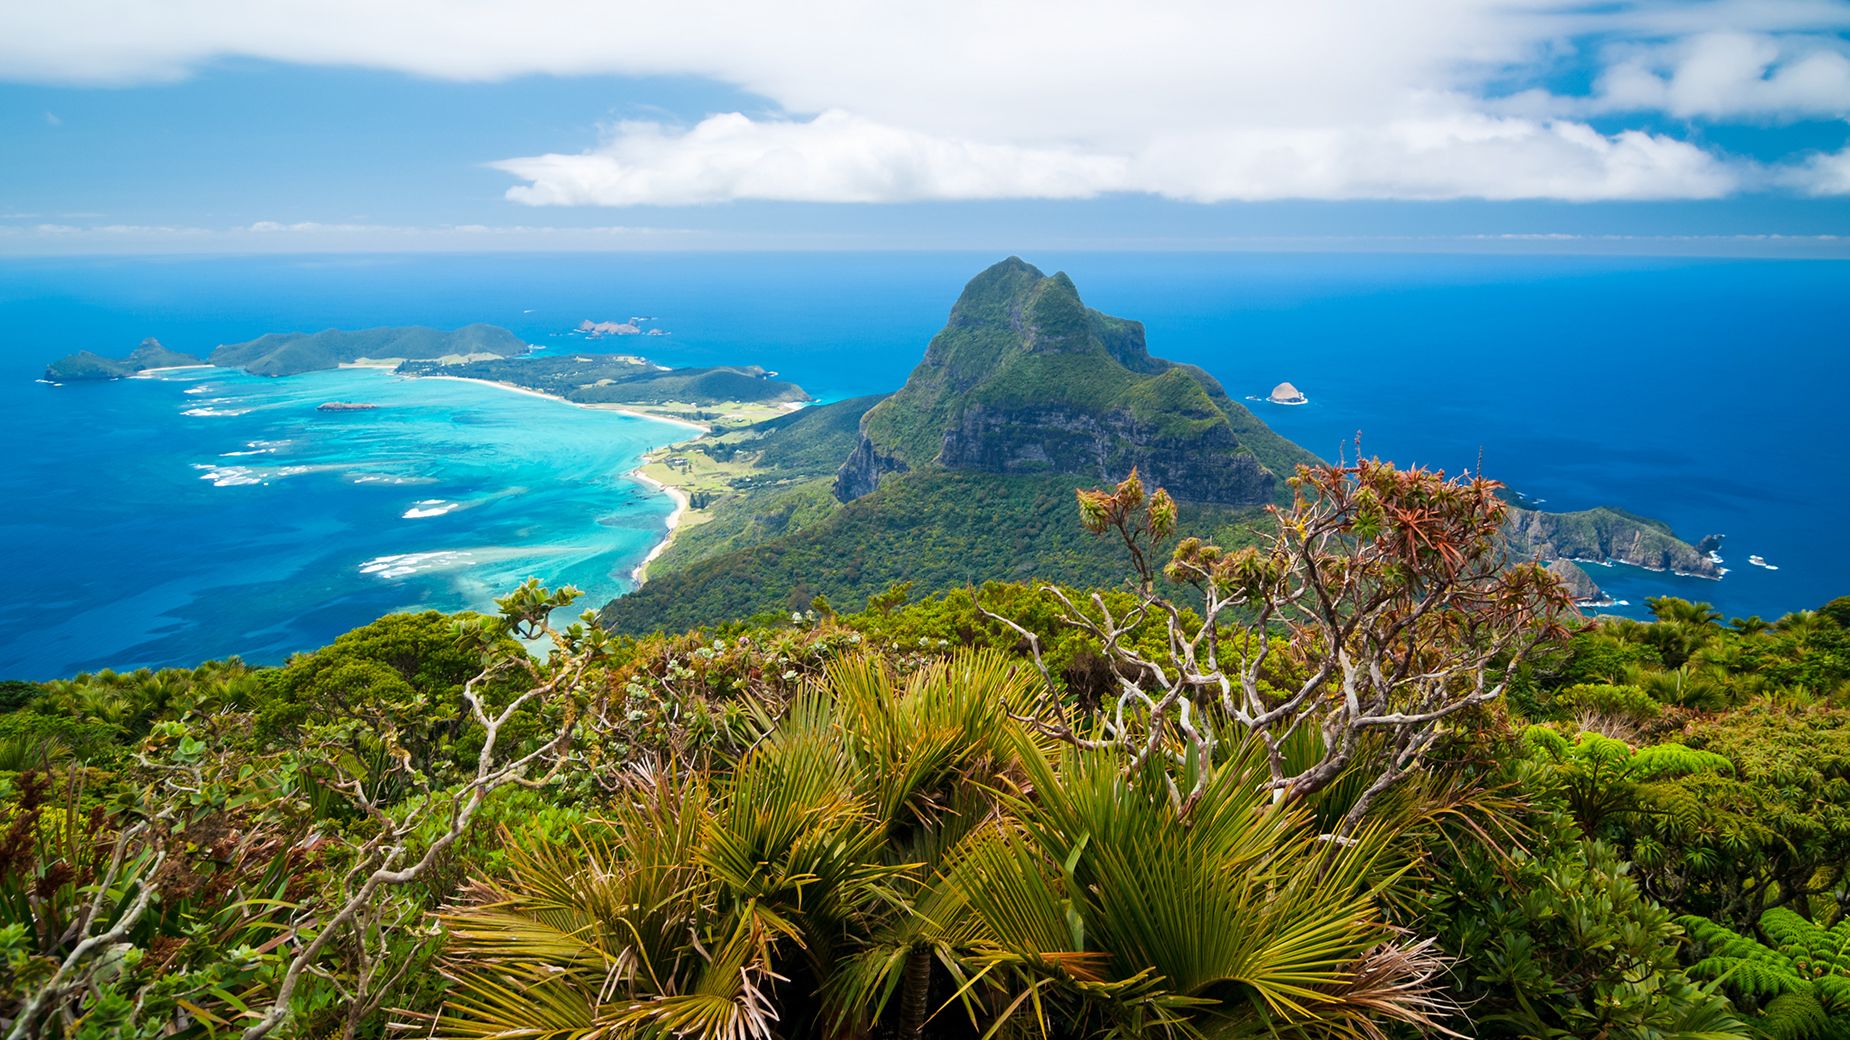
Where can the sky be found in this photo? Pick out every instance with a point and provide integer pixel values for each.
(1713, 127)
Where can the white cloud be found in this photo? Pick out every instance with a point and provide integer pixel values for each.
(1461, 155)
(1824, 174)
(1731, 75)
(835, 157)
(1192, 99)
(838, 157)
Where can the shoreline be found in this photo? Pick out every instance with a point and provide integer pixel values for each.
(1648, 570)
(698, 428)
(148, 372)
(682, 503)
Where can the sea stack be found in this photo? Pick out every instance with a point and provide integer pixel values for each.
(1285, 393)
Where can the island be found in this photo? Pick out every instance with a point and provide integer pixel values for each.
(595, 329)
(966, 474)
(724, 396)
(1285, 393)
(716, 397)
(292, 353)
(84, 365)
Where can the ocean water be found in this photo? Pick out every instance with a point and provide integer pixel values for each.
(1707, 393)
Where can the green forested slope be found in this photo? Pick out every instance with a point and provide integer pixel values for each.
(937, 529)
(290, 353)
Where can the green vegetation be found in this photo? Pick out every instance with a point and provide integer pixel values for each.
(85, 365)
(751, 486)
(970, 814)
(291, 353)
(937, 529)
(811, 442)
(1338, 768)
(1796, 984)
(621, 379)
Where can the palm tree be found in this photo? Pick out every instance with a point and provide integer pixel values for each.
(893, 847)
(774, 899)
(1682, 611)
(1100, 910)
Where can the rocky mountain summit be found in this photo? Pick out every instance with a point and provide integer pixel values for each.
(1025, 379)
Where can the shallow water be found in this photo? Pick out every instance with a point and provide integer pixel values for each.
(206, 512)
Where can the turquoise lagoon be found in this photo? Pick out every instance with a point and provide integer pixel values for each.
(211, 513)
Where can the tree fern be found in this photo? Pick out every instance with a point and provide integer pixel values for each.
(1603, 778)
(1796, 986)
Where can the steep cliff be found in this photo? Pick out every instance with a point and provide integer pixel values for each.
(1605, 535)
(1025, 379)
(1579, 584)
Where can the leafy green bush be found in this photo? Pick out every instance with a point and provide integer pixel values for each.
(1558, 942)
(1608, 703)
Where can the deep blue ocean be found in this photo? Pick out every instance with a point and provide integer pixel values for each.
(205, 513)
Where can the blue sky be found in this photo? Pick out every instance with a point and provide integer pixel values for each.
(1715, 127)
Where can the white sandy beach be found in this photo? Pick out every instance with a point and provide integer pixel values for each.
(681, 505)
(149, 373)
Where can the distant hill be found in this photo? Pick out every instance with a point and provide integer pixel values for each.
(87, 365)
(1025, 379)
(623, 379)
(291, 353)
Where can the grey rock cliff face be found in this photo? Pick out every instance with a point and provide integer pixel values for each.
(1579, 583)
(1104, 447)
(861, 474)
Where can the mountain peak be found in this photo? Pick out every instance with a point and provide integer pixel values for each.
(995, 294)
(1024, 377)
